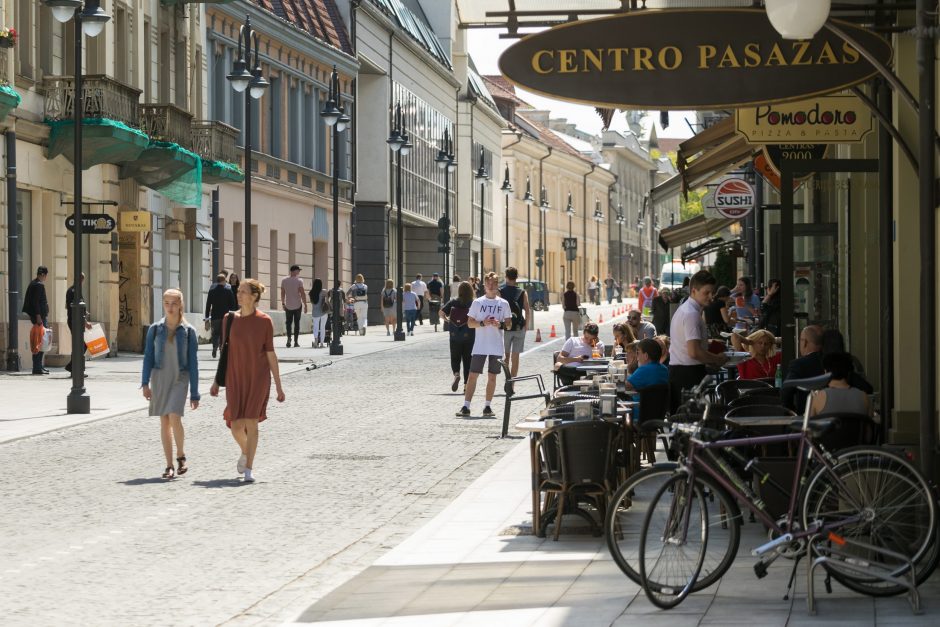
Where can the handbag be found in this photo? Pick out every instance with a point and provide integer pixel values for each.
(46, 344)
(222, 366)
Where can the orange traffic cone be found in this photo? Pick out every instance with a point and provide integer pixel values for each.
(538, 335)
(552, 334)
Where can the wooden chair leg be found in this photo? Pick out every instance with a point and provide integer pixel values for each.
(559, 512)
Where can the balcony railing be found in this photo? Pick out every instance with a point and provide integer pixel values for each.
(214, 140)
(168, 123)
(104, 97)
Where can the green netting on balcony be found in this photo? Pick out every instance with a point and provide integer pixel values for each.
(170, 169)
(9, 100)
(103, 141)
(221, 172)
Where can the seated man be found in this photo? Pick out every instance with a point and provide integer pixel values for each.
(840, 396)
(576, 350)
(650, 371)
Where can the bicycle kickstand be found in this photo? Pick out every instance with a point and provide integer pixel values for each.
(796, 564)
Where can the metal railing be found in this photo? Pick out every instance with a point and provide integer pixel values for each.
(167, 122)
(104, 97)
(214, 140)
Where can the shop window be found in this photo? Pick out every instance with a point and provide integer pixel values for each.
(24, 231)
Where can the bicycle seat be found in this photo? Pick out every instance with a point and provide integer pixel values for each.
(818, 428)
(810, 384)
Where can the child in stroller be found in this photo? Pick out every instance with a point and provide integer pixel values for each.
(349, 315)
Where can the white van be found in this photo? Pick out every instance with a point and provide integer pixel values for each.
(674, 273)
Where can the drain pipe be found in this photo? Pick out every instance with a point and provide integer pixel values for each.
(13, 247)
(216, 236)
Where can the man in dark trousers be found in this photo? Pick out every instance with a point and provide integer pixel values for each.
(36, 307)
(809, 364)
(69, 299)
(219, 301)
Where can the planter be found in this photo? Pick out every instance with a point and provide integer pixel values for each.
(6, 42)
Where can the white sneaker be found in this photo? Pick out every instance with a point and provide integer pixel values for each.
(240, 465)
(248, 476)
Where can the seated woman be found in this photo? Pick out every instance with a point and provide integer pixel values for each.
(834, 342)
(650, 371)
(576, 350)
(717, 315)
(840, 396)
(623, 337)
(764, 356)
(663, 341)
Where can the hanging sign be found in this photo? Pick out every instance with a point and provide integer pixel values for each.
(734, 198)
(828, 120)
(687, 59)
(768, 173)
(92, 223)
(135, 222)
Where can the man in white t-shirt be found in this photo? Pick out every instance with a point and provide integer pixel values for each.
(490, 316)
(688, 350)
(420, 289)
(576, 350)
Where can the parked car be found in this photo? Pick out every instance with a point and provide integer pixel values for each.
(538, 293)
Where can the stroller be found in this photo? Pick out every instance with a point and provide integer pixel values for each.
(349, 318)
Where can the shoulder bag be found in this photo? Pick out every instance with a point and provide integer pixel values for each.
(223, 356)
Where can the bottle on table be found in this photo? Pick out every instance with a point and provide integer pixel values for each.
(778, 377)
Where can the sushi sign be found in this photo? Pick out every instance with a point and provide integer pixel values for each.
(734, 198)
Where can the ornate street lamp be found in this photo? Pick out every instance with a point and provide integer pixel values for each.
(447, 164)
(543, 209)
(246, 77)
(506, 189)
(528, 199)
(483, 176)
(797, 19)
(89, 20)
(400, 145)
(570, 255)
(598, 218)
(335, 117)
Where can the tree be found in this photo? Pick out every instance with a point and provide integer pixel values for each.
(724, 268)
(690, 205)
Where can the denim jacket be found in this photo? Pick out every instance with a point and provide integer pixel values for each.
(187, 343)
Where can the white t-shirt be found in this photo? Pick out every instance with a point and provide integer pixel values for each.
(419, 287)
(577, 347)
(687, 324)
(489, 340)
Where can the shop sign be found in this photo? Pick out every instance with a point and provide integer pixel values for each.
(734, 198)
(92, 223)
(768, 173)
(828, 120)
(687, 59)
(135, 222)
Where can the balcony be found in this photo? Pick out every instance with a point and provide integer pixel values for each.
(167, 123)
(111, 120)
(9, 98)
(215, 142)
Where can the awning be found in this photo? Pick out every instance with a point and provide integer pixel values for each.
(204, 235)
(711, 246)
(692, 230)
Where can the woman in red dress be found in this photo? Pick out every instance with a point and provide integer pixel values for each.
(251, 363)
(764, 356)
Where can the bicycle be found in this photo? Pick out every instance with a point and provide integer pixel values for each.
(847, 508)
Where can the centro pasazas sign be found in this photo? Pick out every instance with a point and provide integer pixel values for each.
(687, 59)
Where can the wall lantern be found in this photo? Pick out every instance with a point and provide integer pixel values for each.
(797, 19)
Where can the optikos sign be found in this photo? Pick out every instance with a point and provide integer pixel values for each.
(827, 120)
(687, 59)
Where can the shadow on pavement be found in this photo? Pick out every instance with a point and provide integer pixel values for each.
(146, 481)
(221, 483)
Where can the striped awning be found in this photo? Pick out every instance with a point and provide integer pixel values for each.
(692, 230)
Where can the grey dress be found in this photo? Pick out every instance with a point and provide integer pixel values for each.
(168, 384)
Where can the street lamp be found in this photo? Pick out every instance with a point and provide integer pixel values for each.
(89, 20)
(570, 254)
(400, 144)
(543, 209)
(621, 220)
(483, 176)
(598, 218)
(507, 192)
(335, 117)
(446, 163)
(797, 19)
(528, 199)
(246, 77)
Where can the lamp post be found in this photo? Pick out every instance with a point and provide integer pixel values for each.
(528, 199)
(446, 163)
(797, 19)
(400, 144)
(246, 77)
(507, 192)
(570, 255)
(334, 116)
(598, 218)
(621, 220)
(483, 176)
(543, 209)
(89, 20)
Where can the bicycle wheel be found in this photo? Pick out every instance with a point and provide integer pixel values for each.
(673, 542)
(627, 512)
(899, 507)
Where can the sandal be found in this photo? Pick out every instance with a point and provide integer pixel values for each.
(182, 468)
(169, 473)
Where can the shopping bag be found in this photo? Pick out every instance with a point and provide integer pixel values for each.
(95, 341)
(46, 344)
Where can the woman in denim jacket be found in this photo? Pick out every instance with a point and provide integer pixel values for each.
(170, 363)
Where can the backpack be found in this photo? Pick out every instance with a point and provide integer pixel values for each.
(360, 290)
(515, 304)
(388, 298)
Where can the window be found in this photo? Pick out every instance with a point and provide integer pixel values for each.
(275, 96)
(320, 136)
(181, 72)
(148, 60)
(164, 79)
(24, 26)
(122, 39)
(46, 34)
(24, 230)
(309, 129)
(197, 86)
(294, 123)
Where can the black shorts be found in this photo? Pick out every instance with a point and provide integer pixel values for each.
(477, 361)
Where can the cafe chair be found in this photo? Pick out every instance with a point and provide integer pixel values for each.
(846, 430)
(556, 382)
(654, 405)
(756, 410)
(576, 465)
(755, 399)
(771, 393)
(727, 391)
(510, 390)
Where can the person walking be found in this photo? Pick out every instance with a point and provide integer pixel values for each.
(571, 304)
(609, 285)
(455, 286)
(490, 316)
(409, 307)
(292, 297)
(455, 312)
(69, 300)
(320, 309)
(646, 295)
(420, 289)
(36, 306)
(435, 299)
(688, 349)
(518, 300)
(359, 294)
(389, 298)
(219, 301)
(234, 281)
(593, 287)
(171, 364)
(251, 365)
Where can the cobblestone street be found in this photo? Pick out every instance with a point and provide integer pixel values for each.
(359, 456)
